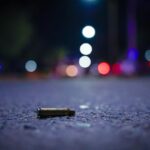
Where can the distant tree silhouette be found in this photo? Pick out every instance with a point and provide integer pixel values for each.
(15, 34)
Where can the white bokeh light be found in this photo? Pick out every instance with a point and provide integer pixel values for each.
(30, 66)
(84, 61)
(88, 32)
(86, 49)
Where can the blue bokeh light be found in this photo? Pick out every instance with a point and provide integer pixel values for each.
(133, 54)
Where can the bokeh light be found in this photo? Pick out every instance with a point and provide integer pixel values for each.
(103, 68)
(147, 55)
(88, 32)
(84, 61)
(86, 49)
(71, 71)
(128, 67)
(30, 66)
(133, 54)
(116, 69)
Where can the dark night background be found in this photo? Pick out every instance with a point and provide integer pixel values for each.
(48, 31)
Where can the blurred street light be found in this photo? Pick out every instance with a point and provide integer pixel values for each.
(116, 69)
(86, 49)
(71, 71)
(30, 66)
(84, 61)
(103, 68)
(88, 32)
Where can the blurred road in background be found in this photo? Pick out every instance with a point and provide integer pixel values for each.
(111, 114)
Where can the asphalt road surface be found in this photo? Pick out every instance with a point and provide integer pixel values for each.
(111, 114)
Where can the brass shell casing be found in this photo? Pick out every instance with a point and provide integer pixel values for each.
(54, 112)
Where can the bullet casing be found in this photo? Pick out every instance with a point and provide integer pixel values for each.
(54, 112)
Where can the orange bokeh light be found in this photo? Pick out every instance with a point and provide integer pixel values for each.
(71, 71)
(103, 68)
